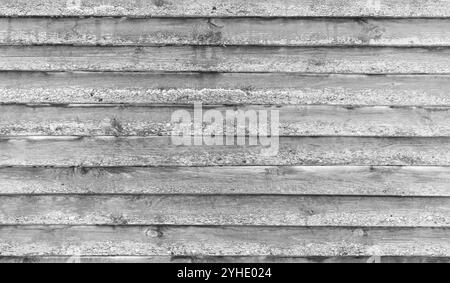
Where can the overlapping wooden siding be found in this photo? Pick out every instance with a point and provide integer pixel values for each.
(124, 120)
(225, 31)
(88, 168)
(233, 180)
(349, 60)
(345, 211)
(223, 88)
(161, 151)
(222, 240)
(229, 8)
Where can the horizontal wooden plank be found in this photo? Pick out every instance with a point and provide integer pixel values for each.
(230, 8)
(229, 59)
(225, 31)
(226, 88)
(222, 241)
(319, 180)
(162, 151)
(219, 259)
(95, 120)
(226, 210)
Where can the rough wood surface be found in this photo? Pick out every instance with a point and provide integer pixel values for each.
(89, 172)
(161, 151)
(274, 32)
(318, 180)
(111, 120)
(220, 259)
(230, 8)
(225, 88)
(229, 59)
(222, 241)
(226, 210)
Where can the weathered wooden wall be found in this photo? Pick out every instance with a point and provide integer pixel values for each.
(87, 166)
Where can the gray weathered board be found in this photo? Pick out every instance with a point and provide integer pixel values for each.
(88, 167)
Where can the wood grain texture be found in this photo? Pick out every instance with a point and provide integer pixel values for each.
(320, 180)
(225, 88)
(222, 241)
(89, 172)
(220, 259)
(111, 120)
(307, 211)
(161, 151)
(224, 31)
(230, 8)
(229, 59)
